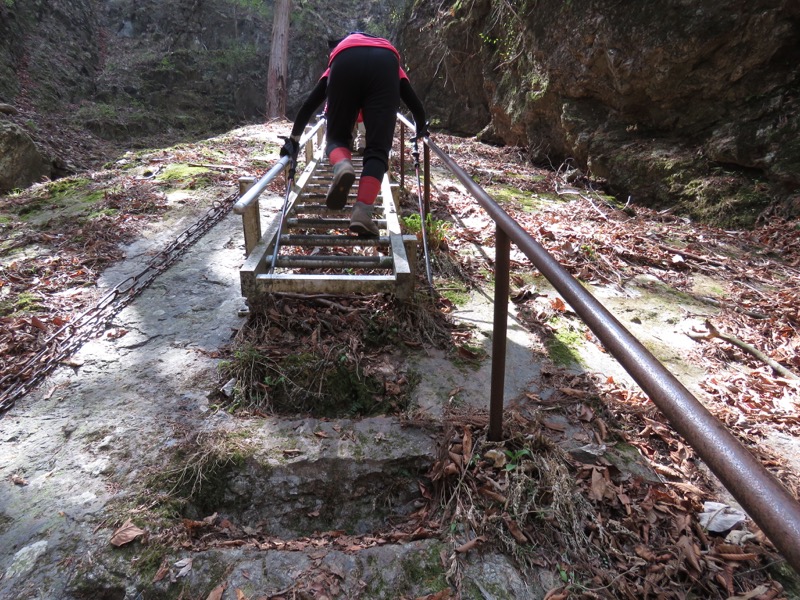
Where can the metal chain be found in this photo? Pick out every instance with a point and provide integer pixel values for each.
(69, 338)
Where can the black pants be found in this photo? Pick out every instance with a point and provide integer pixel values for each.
(367, 79)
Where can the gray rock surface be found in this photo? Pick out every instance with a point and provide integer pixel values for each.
(21, 163)
(84, 446)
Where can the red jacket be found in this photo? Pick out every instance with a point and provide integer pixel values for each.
(355, 40)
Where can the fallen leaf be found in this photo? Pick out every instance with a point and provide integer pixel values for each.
(424, 491)
(588, 454)
(467, 353)
(754, 593)
(515, 529)
(443, 595)
(191, 524)
(38, 324)
(17, 480)
(599, 485)
(240, 595)
(485, 491)
(546, 233)
(162, 572)
(464, 548)
(216, 593)
(645, 553)
(719, 517)
(554, 425)
(467, 442)
(126, 534)
(115, 334)
(185, 566)
(690, 553)
(558, 593)
(497, 456)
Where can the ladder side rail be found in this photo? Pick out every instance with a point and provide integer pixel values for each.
(248, 203)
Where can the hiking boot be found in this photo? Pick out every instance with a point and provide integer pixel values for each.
(361, 220)
(343, 177)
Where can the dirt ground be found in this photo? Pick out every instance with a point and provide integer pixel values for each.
(127, 471)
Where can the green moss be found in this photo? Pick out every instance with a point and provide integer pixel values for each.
(235, 56)
(149, 560)
(514, 197)
(728, 200)
(454, 290)
(536, 84)
(787, 577)
(424, 571)
(93, 197)
(563, 347)
(71, 198)
(469, 356)
(24, 303)
(105, 212)
(180, 172)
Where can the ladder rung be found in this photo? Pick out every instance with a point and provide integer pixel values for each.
(327, 223)
(335, 262)
(317, 222)
(321, 209)
(334, 240)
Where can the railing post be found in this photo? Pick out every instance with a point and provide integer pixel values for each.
(427, 173)
(309, 148)
(402, 155)
(251, 219)
(502, 264)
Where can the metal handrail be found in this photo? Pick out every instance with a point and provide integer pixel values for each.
(763, 497)
(256, 190)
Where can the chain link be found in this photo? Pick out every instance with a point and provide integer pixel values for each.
(69, 338)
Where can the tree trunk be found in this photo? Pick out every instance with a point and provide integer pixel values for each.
(278, 61)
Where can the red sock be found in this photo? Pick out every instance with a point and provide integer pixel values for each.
(339, 154)
(368, 189)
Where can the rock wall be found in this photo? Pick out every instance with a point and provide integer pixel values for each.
(133, 56)
(669, 102)
(126, 69)
(681, 103)
(50, 52)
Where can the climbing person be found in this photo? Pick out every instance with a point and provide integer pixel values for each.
(363, 74)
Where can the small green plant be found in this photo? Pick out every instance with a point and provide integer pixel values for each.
(589, 251)
(436, 229)
(487, 39)
(515, 458)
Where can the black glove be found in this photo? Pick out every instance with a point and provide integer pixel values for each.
(422, 132)
(291, 147)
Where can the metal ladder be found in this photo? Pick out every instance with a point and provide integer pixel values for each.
(317, 252)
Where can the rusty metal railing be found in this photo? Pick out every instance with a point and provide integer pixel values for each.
(763, 497)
